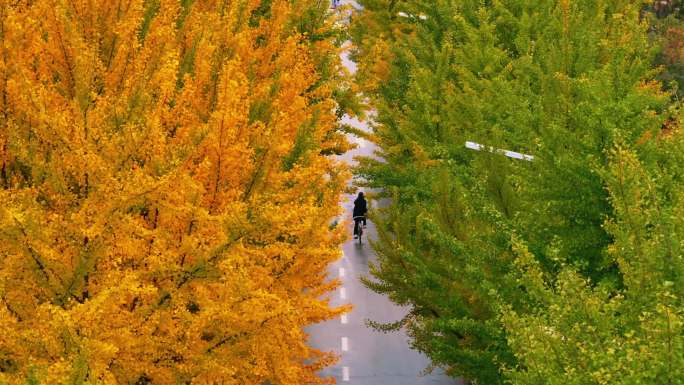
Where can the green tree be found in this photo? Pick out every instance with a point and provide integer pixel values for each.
(564, 81)
(579, 332)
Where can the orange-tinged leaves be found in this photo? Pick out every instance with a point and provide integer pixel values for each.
(149, 228)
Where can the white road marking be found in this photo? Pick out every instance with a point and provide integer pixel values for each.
(344, 319)
(345, 344)
(345, 373)
(342, 272)
(343, 293)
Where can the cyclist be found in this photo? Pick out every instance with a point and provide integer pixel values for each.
(359, 214)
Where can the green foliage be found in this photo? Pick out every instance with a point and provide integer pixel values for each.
(263, 11)
(303, 144)
(564, 81)
(151, 10)
(582, 333)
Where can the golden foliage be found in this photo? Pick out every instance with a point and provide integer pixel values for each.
(164, 204)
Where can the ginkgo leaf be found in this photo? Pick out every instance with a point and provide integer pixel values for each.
(149, 232)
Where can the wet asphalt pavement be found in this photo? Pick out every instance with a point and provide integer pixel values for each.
(367, 357)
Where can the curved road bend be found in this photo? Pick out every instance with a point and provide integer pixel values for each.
(367, 357)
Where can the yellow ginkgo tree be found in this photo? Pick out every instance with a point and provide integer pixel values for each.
(166, 190)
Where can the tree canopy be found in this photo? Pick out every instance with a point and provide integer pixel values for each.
(492, 252)
(166, 190)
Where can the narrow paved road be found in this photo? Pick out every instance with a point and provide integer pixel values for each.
(368, 357)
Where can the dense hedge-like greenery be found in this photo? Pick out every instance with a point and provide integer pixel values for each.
(559, 270)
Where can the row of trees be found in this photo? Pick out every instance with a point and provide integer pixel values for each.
(166, 189)
(564, 270)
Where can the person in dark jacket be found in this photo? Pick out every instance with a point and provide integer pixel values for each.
(360, 210)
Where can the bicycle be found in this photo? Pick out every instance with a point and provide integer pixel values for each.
(359, 227)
